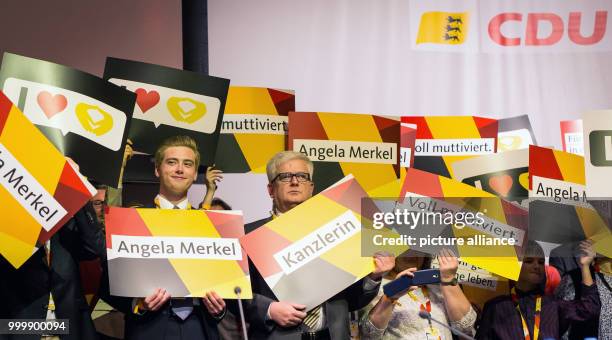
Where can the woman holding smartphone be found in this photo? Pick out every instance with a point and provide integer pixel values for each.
(397, 317)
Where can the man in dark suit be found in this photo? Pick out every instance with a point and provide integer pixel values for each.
(289, 176)
(25, 292)
(157, 316)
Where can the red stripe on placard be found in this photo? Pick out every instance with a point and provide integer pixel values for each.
(261, 245)
(5, 109)
(423, 131)
(542, 163)
(124, 221)
(310, 127)
(422, 183)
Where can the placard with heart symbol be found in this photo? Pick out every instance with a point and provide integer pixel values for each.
(81, 114)
(171, 102)
(51, 104)
(146, 99)
(503, 174)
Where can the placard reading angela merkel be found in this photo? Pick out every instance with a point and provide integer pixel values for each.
(366, 146)
(39, 189)
(320, 238)
(186, 252)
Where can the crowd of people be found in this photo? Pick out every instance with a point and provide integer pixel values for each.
(48, 285)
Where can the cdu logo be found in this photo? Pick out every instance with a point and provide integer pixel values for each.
(600, 145)
(443, 28)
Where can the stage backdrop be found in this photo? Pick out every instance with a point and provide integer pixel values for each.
(549, 59)
(81, 34)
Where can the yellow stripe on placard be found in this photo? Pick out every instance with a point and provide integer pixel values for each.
(252, 100)
(356, 127)
(449, 127)
(18, 252)
(213, 274)
(258, 149)
(571, 166)
(19, 137)
(19, 223)
(194, 223)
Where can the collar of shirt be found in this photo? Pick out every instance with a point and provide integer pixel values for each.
(165, 204)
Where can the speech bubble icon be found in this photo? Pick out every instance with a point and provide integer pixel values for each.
(184, 109)
(94, 119)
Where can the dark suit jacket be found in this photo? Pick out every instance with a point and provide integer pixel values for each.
(152, 325)
(337, 308)
(24, 292)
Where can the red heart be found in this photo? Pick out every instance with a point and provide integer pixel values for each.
(501, 184)
(146, 100)
(51, 104)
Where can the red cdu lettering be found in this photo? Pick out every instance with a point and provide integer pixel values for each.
(533, 23)
(575, 19)
(495, 28)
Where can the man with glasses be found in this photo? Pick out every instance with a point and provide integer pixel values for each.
(290, 183)
(99, 200)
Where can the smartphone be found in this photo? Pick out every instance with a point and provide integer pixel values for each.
(421, 277)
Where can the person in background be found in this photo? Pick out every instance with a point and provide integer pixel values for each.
(213, 177)
(528, 313)
(99, 200)
(219, 204)
(397, 317)
(600, 326)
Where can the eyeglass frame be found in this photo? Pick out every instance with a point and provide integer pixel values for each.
(293, 174)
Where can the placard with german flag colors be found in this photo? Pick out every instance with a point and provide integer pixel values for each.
(443, 140)
(482, 275)
(254, 128)
(407, 140)
(504, 174)
(559, 211)
(40, 191)
(339, 144)
(501, 219)
(186, 252)
(320, 238)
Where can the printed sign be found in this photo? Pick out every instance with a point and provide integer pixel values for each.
(177, 250)
(39, 189)
(82, 115)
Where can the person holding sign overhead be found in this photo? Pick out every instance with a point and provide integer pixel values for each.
(159, 316)
(290, 183)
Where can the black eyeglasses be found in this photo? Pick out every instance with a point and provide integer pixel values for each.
(97, 203)
(287, 177)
